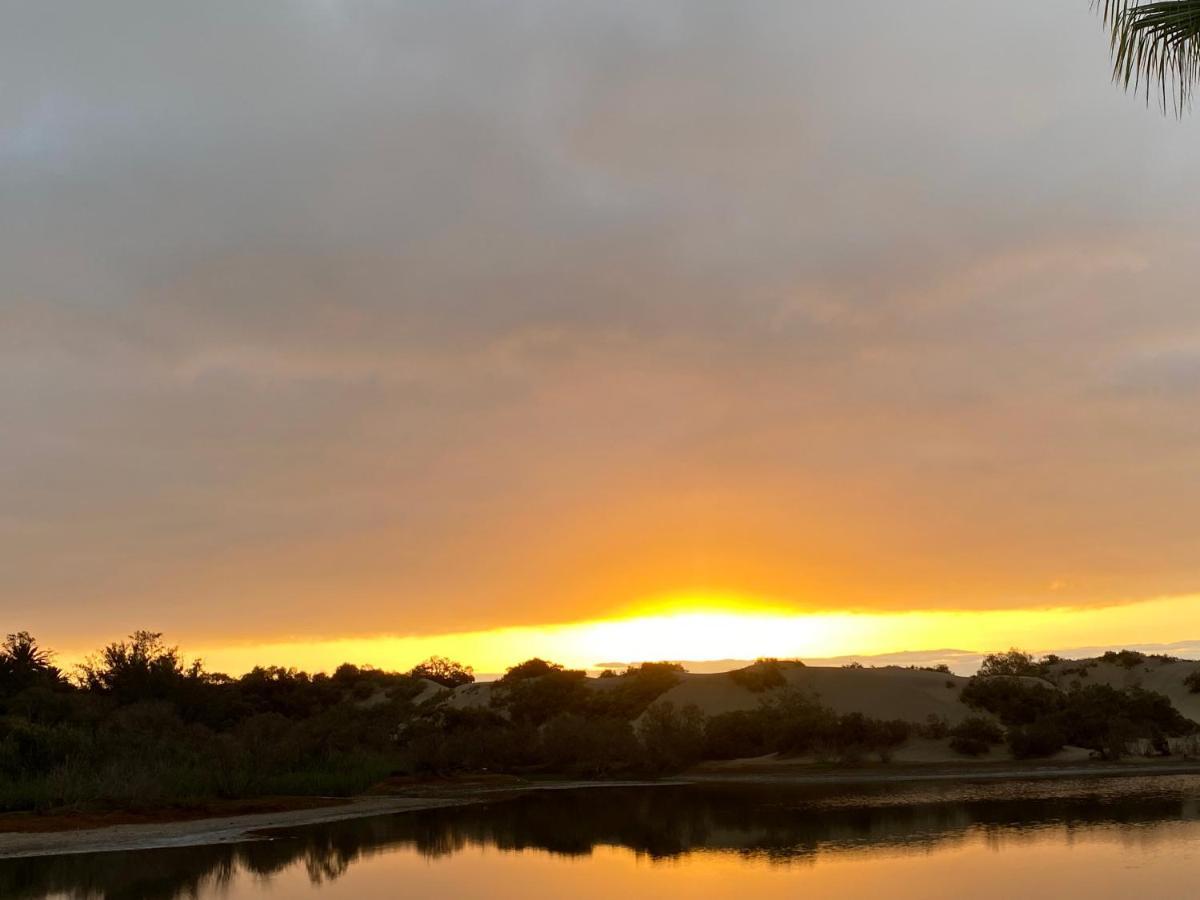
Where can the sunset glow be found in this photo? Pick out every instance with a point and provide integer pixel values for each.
(710, 633)
(599, 330)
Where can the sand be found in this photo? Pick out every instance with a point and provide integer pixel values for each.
(217, 830)
(884, 693)
(1165, 678)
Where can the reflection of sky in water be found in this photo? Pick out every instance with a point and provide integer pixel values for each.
(1088, 837)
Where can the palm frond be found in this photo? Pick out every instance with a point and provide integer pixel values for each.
(1156, 47)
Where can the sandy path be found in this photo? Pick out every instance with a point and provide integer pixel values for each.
(232, 829)
(997, 772)
(220, 830)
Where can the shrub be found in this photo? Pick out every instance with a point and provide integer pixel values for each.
(445, 672)
(1040, 739)
(856, 734)
(586, 746)
(531, 668)
(1126, 659)
(535, 699)
(637, 688)
(975, 736)
(935, 727)
(763, 675)
(672, 739)
(1013, 701)
(797, 723)
(1193, 682)
(1014, 662)
(736, 735)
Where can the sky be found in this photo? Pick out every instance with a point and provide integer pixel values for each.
(351, 327)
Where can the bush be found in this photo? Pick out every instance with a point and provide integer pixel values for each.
(797, 723)
(1013, 663)
(1098, 717)
(975, 736)
(1040, 739)
(1013, 701)
(736, 735)
(584, 746)
(531, 668)
(763, 675)
(1193, 682)
(934, 728)
(636, 689)
(856, 735)
(1126, 659)
(672, 739)
(445, 672)
(536, 699)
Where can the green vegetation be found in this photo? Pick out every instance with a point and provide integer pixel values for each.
(1156, 46)
(794, 723)
(975, 736)
(1126, 659)
(1013, 663)
(138, 726)
(445, 672)
(1041, 719)
(764, 674)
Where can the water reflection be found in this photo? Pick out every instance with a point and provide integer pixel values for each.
(762, 823)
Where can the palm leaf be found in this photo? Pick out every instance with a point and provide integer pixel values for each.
(1156, 47)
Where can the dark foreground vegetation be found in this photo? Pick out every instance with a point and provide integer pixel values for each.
(137, 726)
(1041, 718)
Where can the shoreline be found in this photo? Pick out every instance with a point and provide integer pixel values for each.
(239, 828)
(998, 771)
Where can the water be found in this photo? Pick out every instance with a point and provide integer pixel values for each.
(1094, 838)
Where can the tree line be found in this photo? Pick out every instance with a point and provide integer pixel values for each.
(137, 725)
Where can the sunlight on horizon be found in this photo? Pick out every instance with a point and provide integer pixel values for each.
(715, 628)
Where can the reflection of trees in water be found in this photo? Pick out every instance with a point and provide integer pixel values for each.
(763, 822)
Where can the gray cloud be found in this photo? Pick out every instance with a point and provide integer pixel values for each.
(352, 317)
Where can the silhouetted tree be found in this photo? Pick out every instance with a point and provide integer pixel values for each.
(24, 664)
(445, 672)
(142, 668)
(1014, 662)
(672, 738)
(531, 668)
(975, 736)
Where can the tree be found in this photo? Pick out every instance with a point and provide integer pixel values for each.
(445, 672)
(531, 668)
(975, 735)
(23, 663)
(1156, 47)
(672, 739)
(1014, 662)
(144, 668)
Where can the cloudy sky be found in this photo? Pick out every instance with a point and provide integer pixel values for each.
(323, 319)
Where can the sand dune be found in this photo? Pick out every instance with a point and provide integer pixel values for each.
(885, 693)
(1155, 674)
(889, 692)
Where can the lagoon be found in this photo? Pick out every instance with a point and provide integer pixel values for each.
(1085, 837)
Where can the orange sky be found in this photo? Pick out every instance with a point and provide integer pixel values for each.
(433, 321)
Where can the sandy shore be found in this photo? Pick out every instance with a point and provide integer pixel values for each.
(986, 772)
(220, 830)
(237, 828)
(232, 829)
